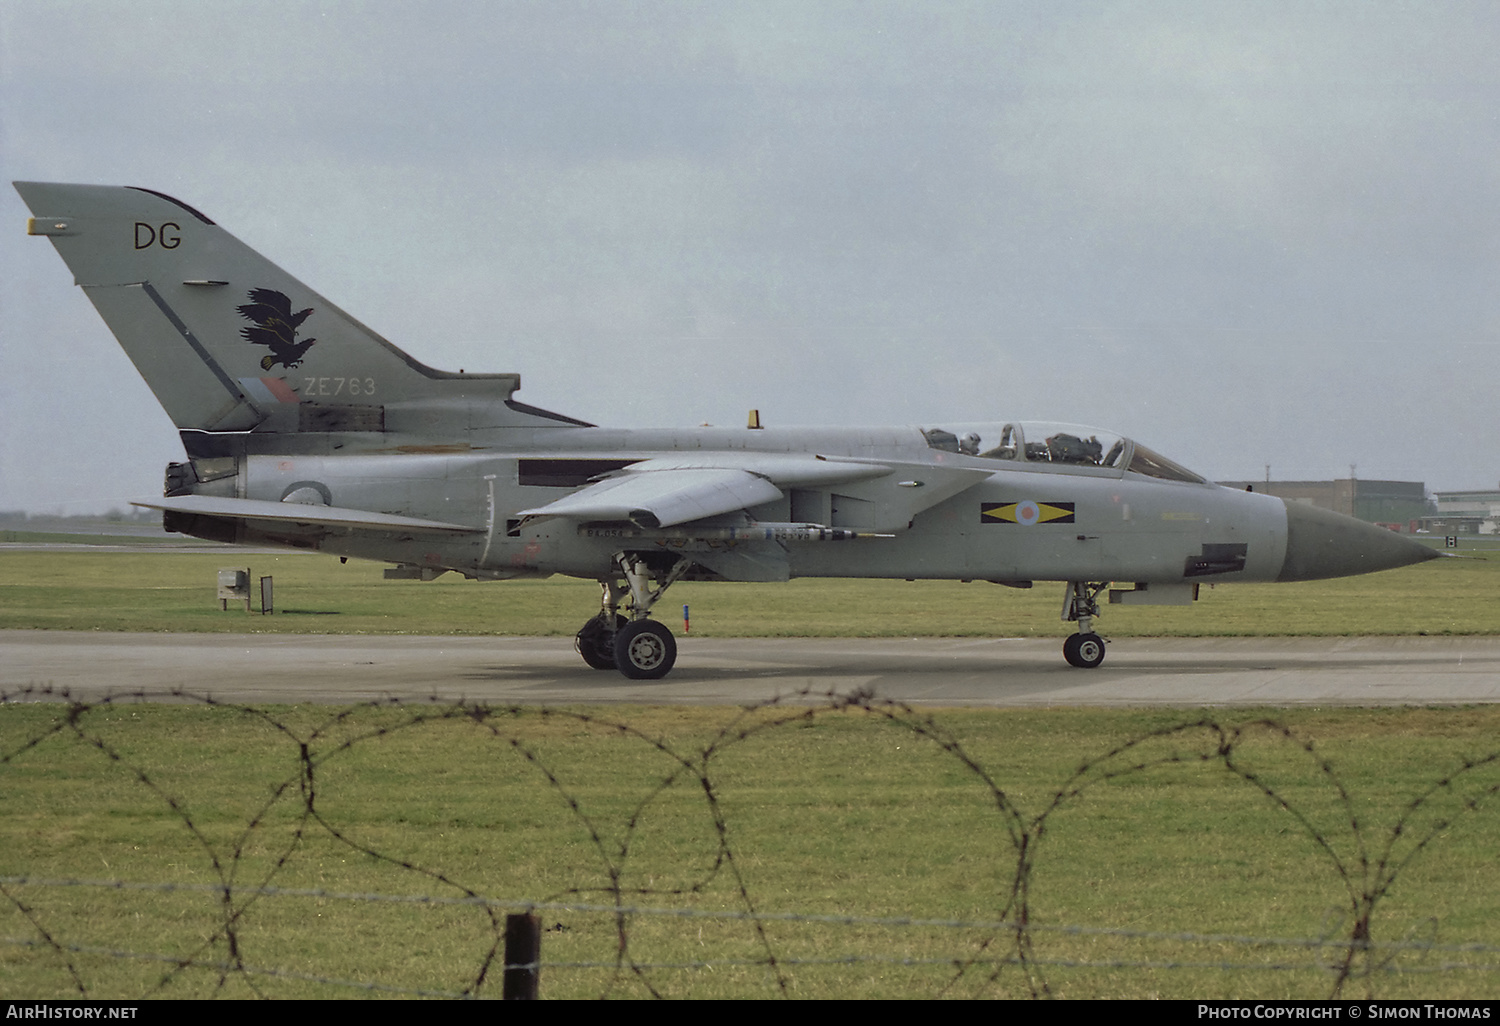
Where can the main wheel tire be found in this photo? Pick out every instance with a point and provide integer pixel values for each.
(1084, 651)
(644, 650)
(597, 645)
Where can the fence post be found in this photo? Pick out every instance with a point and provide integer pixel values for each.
(523, 956)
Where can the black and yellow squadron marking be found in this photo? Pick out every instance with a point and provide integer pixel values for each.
(1026, 513)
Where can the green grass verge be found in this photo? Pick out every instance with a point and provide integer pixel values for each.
(869, 813)
(69, 538)
(164, 591)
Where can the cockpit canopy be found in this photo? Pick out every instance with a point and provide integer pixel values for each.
(1071, 445)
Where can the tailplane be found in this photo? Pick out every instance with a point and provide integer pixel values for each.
(231, 343)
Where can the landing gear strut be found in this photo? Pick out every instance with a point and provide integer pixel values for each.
(638, 647)
(1084, 649)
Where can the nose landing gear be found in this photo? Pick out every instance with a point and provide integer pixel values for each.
(1085, 649)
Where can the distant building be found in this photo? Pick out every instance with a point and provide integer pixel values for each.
(1399, 504)
(1465, 513)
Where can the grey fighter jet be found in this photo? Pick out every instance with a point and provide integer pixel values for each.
(304, 428)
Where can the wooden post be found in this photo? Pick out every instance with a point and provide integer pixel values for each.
(523, 955)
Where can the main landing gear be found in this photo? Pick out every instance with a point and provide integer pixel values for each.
(1084, 649)
(640, 648)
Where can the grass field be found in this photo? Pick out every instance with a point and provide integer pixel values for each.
(166, 591)
(1245, 840)
(143, 541)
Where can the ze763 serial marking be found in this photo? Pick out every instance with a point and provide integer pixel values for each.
(338, 386)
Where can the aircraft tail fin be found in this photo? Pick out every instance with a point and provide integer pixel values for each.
(229, 342)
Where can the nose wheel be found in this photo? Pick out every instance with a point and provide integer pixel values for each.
(1084, 651)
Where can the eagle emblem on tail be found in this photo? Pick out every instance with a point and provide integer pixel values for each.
(276, 327)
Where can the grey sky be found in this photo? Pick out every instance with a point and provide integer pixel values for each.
(1243, 233)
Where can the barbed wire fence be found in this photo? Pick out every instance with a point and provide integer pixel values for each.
(621, 914)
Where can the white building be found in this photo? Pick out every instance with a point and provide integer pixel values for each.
(1466, 513)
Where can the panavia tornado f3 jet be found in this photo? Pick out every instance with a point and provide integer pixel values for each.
(304, 428)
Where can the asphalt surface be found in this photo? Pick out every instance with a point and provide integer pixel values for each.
(343, 669)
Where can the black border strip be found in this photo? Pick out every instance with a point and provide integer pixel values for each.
(176, 202)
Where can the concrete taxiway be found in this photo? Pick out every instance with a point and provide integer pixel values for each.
(340, 669)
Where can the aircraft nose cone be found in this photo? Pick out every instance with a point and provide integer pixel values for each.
(1321, 543)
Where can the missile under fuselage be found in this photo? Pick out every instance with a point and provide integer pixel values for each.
(751, 532)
